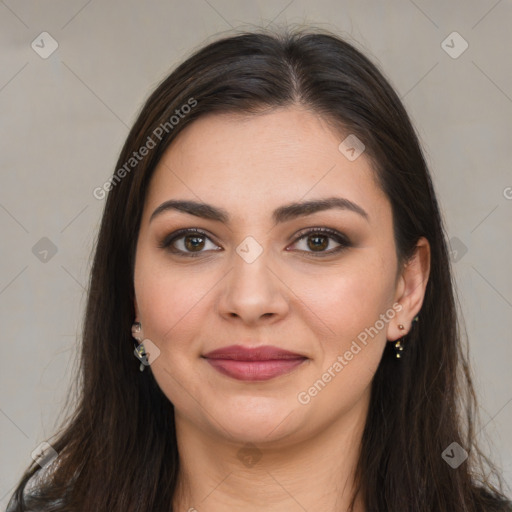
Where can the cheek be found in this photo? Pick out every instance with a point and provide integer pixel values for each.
(350, 353)
(349, 299)
(170, 303)
(172, 311)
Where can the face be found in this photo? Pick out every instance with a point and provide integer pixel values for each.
(319, 283)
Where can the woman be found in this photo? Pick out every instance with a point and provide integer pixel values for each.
(272, 245)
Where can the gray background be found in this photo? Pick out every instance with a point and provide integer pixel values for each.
(64, 118)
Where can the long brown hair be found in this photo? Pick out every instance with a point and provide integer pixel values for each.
(117, 451)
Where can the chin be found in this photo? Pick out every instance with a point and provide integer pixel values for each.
(257, 422)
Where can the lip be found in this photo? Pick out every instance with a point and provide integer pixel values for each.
(253, 364)
(261, 353)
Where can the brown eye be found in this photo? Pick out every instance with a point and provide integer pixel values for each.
(186, 242)
(193, 242)
(319, 242)
(318, 239)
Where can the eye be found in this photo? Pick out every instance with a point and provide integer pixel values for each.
(318, 239)
(191, 241)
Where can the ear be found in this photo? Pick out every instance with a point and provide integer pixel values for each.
(410, 290)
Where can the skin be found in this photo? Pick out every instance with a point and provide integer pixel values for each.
(287, 297)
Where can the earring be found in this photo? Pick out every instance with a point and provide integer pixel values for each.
(136, 329)
(398, 344)
(139, 352)
(399, 348)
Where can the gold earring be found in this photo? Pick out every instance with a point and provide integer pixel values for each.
(139, 352)
(398, 344)
(399, 348)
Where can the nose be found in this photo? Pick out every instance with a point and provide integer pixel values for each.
(253, 291)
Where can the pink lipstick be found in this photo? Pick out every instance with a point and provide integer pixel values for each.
(253, 364)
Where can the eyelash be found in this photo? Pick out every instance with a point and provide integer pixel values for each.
(335, 235)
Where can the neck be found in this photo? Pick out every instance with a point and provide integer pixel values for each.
(314, 472)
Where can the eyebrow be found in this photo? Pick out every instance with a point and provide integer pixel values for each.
(282, 214)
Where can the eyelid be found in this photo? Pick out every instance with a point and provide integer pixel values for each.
(333, 234)
(340, 238)
(167, 240)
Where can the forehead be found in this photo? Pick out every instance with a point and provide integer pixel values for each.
(254, 163)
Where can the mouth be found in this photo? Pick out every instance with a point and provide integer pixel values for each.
(253, 364)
